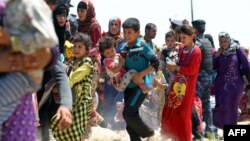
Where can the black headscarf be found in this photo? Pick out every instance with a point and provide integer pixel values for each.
(60, 30)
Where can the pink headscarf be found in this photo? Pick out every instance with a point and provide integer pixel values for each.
(90, 20)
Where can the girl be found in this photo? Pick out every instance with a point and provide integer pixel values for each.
(111, 95)
(60, 14)
(81, 80)
(176, 116)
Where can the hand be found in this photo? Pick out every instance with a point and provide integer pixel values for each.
(171, 67)
(157, 83)
(178, 43)
(160, 85)
(218, 53)
(64, 116)
(137, 78)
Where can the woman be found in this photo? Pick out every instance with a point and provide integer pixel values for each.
(228, 84)
(176, 116)
(111, 95)
(87, 22)
(114, 30)
(21, 124)
(60, 15)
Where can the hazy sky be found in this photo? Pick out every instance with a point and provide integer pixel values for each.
(231, 16)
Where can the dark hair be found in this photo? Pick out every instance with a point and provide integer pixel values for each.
(83, 38)
(186, 29)
(60, 9)
(105, 43)
(149, 26)
(131, 23)
(170, 34)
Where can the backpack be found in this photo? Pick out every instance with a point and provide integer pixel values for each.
(207, 54)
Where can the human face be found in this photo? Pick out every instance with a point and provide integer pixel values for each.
(130, 35)
(187, 40)
(82, 14)
(80, 50)
(61, 19)
(110, 52)
(119, 106)
(114, 28)
(152, 32)
(223, 42)
(170, 42)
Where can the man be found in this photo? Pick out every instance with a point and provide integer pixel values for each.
(204, 81)
(150, 33)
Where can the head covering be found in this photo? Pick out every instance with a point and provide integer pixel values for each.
(66, 2)
(227, 36)
(176, 20)
(60, 30)
(116, 20)
(82, 5)
(199, 25)
(232, 46)
(61, 9)
(118, 35)
(90, 21)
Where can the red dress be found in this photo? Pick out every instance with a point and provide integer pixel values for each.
(176, 119)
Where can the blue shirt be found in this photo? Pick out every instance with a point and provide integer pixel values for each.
(138, 57)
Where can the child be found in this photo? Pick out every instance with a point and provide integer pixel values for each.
(142, 59)
(30, 29)
(81, 78)
(114, 64)
(170, 50)
(119, 120)
(176, 116)
(151, 109)
(96, 59)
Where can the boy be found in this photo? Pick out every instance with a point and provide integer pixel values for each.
(138, 57)
(114, 63)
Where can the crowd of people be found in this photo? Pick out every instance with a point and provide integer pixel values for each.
(61, 75)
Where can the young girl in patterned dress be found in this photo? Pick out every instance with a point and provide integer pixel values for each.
(81, 78)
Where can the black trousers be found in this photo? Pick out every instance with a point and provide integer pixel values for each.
(136, 128)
